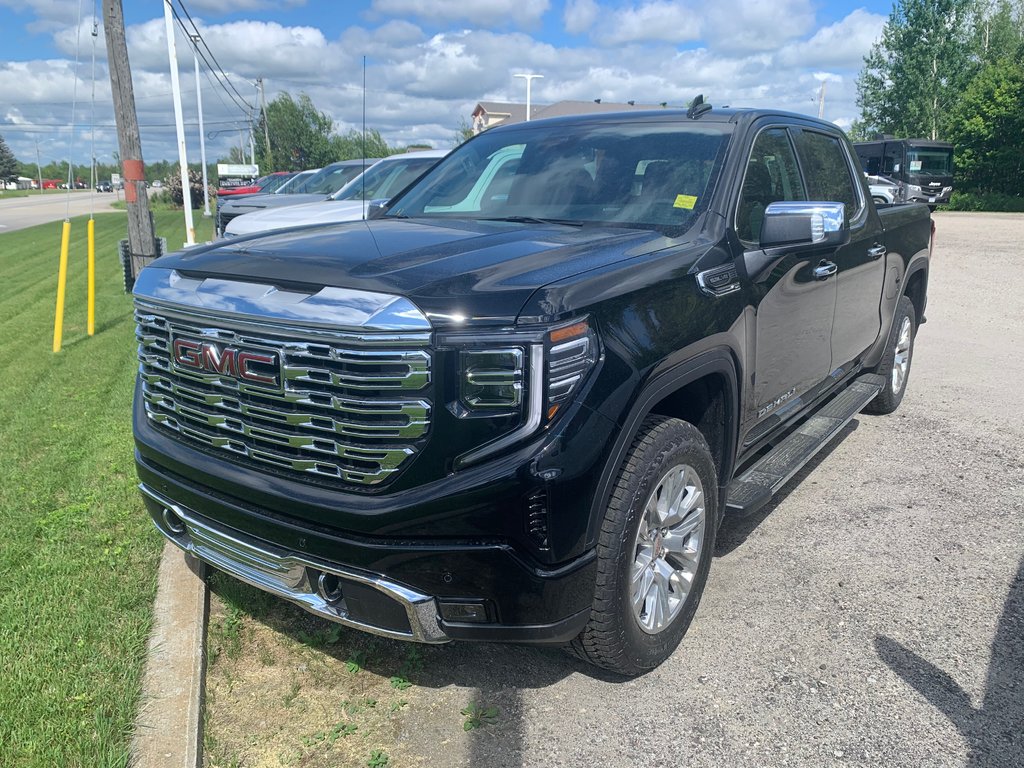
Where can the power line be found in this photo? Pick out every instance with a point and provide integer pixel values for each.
(206, 46)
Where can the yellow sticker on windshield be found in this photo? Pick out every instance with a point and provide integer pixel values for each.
(685, 201)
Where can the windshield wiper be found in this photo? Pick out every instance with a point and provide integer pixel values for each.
(533, 220)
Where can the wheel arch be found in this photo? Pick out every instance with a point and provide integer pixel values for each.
(704, 391)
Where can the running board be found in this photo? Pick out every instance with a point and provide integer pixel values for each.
(753, 489)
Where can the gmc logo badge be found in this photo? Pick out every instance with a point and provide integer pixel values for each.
(259, 367)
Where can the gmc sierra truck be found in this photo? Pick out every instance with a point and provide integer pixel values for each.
(516, 403)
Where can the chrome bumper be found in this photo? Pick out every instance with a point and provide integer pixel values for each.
(310, 583)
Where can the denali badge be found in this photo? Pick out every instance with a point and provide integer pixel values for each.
(252, 366)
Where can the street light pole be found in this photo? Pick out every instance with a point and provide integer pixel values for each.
(529, 81)
(202, 133)
(179, 125)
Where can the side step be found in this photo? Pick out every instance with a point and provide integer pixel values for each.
(752, 490)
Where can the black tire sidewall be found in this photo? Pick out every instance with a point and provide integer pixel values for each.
(888, 401)
(676, 443)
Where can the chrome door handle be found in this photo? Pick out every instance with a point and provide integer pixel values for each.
(824, 270)
(876, 251)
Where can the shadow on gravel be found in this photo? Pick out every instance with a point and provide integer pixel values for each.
(735, 530)
(995, 730)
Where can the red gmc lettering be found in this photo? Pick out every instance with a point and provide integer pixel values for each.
(188, 353)
(244, 358)
(220, 361)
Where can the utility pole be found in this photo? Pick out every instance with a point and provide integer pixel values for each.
(179, 125)
(529, 81)
(821, 100)
(39, 167)
(202, 135)
(141, 238)
(266, 125)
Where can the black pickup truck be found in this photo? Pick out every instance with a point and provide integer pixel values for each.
(517, 402)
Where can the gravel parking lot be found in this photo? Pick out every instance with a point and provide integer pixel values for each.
(873, 615)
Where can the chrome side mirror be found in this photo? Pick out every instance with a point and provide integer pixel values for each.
(376, 208)
(804, 225)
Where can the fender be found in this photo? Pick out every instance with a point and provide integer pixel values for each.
(719, 360)
(919, 262)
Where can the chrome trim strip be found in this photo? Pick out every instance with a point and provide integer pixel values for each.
(329, 307)
(286, 574)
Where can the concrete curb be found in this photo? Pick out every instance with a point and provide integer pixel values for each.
(169, 723)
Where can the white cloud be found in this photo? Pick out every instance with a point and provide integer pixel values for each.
(522, 13)
(661, 20)
(580, 15)
(842, 44)
(756, 25)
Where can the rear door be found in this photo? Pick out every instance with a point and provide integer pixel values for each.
(830, 175)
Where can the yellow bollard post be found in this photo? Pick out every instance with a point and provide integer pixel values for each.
(62, 279)
(91, 322)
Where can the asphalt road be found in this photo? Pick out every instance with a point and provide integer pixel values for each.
(21, 212)
(873, 615)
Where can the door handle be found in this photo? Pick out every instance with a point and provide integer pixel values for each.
(825, 270)
(876, 251)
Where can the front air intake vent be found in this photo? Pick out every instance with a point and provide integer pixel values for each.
(537, 518)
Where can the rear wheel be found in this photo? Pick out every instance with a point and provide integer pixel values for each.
(894, 366)
(655, 549)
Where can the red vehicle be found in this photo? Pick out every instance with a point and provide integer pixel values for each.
(267, 183)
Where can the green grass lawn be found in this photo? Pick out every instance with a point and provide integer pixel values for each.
(78, 554)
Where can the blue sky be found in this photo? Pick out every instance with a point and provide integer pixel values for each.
(429, 61)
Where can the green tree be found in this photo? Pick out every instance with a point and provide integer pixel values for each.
(351, 145)
(463, 133)
(913, 75)
(987, 129)
(300, 135)
(8, 163)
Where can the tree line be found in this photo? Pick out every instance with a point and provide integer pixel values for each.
(953, 70)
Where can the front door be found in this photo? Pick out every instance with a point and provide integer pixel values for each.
(828, 176)
(793, 322)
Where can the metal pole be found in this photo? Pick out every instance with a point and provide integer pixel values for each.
(179, 125)
(266, 124)
(529, 81)
(202, 135)
(39, 168)
(821, 100)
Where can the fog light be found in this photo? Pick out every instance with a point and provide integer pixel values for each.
(475, 613)
(174, 523)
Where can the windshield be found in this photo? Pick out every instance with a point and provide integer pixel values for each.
(386, 179)
(274, 181)
(643, 174)
(329, 180)
(929, 162)
(294, 183)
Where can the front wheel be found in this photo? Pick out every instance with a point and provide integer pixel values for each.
(655, 549)
(894, 366)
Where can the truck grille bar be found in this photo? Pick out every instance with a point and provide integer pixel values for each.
(349, 408)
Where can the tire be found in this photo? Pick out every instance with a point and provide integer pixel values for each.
(894, 366)
(631, 631)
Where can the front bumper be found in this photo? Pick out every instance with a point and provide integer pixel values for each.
(394, 588)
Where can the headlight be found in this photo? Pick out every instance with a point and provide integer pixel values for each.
(531, 377)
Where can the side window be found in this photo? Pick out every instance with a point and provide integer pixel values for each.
(772, 174)
(826, 170)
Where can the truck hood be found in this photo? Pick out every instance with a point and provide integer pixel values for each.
(258, 202)
(320, 211)
(459, 272)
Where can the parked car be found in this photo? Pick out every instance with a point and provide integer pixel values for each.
(883, 190)
(521, 415)
(267, 183)
(316, 187)
(383, 180)
(104, 186)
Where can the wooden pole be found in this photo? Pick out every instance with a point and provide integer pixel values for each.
(141, 238)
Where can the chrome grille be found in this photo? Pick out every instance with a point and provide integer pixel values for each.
(350, 408)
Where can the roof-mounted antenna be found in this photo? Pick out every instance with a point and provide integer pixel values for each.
(698, 107)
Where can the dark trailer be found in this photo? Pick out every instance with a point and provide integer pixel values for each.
(923, 169)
